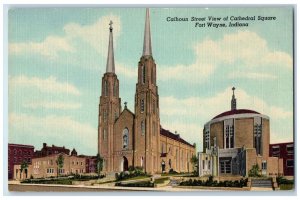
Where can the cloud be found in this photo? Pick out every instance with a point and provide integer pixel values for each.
(94, 35)
(52, 105)
(252, 75)
(212, 106)
(125, 70)
(241, 53)
(50, 47)
(58, 130)
(48, 85)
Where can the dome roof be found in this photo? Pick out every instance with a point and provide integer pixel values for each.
(234, 112)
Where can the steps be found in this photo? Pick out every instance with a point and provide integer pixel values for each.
(261, 183)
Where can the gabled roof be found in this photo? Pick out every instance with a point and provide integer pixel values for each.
(173, 136)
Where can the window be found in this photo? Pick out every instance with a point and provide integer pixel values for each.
(142, 161)
(143, 127)
(104, 115)
(125, 138)
(162, 148)
(143, 74)
(276, 151)
(229, 136)
(154, 128)
(290, 163)
(105, 88)
(207, 139)
(208, 164)
(81, 163)
(257, 138)
(152, 76)
(104, 135)
(142, 105)
(115, 88)
(15, 152)
(116, 115)
(264, 165)
(203, 164)
(290, 149)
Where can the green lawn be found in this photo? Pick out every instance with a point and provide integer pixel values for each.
(286, 186)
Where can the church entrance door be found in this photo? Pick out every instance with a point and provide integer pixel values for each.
(125, 164)
(163, 166)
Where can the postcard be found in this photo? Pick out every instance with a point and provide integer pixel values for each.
(151, 99)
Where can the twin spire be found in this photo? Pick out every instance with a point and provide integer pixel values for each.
(147, 49)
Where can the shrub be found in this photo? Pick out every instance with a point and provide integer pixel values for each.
(211, 183)
(254, 171)
(171, 171)
(136, 184)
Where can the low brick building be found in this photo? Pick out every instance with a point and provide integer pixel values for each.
(46, 166)
(286, 152)
(18, 153)
(49, 150)
(90, 163)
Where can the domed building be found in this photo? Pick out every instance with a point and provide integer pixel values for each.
(234, 141)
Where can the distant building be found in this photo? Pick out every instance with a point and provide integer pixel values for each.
(50, 150)
(90, 163)
(73, 152)
(17, 153)
(286, 152)
(46, 166)
(236, 140)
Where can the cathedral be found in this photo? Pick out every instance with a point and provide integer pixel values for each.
(127, 138)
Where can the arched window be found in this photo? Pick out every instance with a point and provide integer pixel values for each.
(115, 88)
(105, 88)
(143, 127)
(104, 135)
(104, 115)
(142, 105)
(143, 74)
(142, 161)
(116, 115)
(152, 76)
(125, 138)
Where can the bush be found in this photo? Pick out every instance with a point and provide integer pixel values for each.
(136, 184)
(211, 183)
(171, 171)
(254, 171)
(281, 180)
(135, 172)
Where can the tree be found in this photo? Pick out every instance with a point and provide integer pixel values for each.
(99, 164)
(194, 161)
(254, 171)
(60, 163)
(24, 166)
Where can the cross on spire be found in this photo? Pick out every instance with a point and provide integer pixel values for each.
(125, 103)
(110, 25)
(110, 65)
(233, 100)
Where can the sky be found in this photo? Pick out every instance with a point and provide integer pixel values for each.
(57, 57)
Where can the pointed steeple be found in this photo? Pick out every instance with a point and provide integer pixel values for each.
(147, 49)
(110, 65)
(233, 100)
